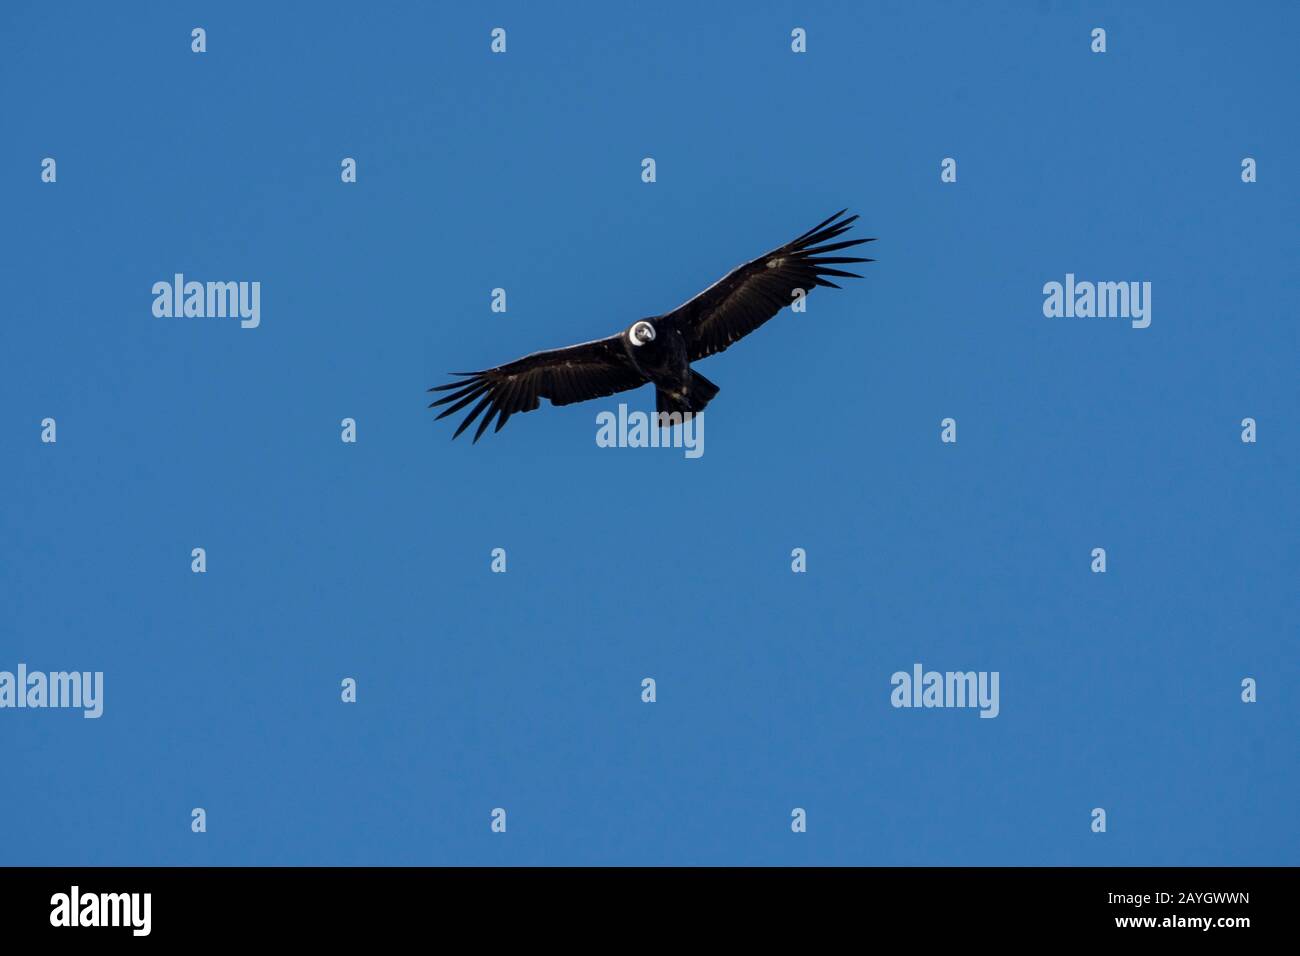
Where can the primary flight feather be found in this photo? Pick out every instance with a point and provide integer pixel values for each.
(659, 349)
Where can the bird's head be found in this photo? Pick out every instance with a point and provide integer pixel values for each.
(641, 333)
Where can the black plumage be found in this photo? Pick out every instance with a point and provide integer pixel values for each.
(658, 349)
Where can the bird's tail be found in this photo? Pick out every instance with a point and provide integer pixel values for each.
(699, 391)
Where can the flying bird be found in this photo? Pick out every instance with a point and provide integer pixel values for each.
(658, 349)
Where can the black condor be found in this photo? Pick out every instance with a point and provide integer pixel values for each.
(659, 349)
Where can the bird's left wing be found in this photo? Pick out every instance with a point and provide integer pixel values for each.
(568, 375)
(749, 295)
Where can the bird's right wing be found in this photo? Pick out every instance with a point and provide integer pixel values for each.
(574, 374)
(750, 294)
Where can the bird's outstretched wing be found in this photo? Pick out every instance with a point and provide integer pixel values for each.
(749, 295)
(568, 375)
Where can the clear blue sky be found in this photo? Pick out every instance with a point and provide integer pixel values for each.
(479, 690)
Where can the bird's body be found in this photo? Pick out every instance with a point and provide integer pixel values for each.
(662, 357)
(659, 349)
